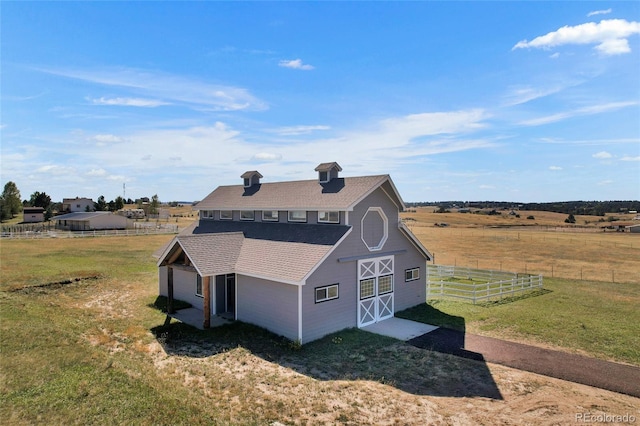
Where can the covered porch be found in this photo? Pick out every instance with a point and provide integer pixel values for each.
(195, 318)
(196, 270)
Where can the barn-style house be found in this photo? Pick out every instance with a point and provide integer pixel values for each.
(300, 258)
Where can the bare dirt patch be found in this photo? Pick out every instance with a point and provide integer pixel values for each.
(236, 378)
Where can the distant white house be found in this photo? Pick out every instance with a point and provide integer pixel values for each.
(33, 214)
(73, 205)
(89, 221)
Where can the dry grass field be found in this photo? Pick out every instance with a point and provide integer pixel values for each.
(545, 245)
(81, 342)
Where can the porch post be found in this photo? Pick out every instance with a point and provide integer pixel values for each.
(170, 309)
(206, 302)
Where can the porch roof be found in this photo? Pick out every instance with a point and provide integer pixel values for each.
(232, 252)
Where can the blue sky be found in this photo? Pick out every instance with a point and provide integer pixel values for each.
(508, 101)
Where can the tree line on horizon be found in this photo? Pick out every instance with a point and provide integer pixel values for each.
(593, 208)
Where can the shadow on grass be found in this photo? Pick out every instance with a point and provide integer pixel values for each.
(351, 354)
(511, 299)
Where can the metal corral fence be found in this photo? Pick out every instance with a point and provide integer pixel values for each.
(171, 229)
(477, 284)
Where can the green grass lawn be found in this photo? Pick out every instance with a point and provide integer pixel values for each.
(596, 318)
(85, 350)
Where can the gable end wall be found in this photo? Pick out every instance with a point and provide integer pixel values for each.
(327, 317)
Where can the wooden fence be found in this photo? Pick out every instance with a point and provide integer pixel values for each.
(452, 282)
(95, 233)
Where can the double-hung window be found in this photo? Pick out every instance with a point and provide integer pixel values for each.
(247, 215)
(412, 274)
(297, 216)
(199, 286)
(270, 215)
(326, 293)
(329, 217)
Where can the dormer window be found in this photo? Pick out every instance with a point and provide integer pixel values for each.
(327, 171)
(251, 178)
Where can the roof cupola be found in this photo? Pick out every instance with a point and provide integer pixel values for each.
(251, 178)
(327, 171)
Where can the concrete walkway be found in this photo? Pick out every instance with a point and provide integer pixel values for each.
(399, 328)
(195, 318)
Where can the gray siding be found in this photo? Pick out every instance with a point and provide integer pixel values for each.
(327, 317)
(268, 304)
(184, 285)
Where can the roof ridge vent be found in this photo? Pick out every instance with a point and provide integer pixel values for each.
(327, 171)
(250, 178)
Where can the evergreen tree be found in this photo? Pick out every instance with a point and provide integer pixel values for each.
(10, 204)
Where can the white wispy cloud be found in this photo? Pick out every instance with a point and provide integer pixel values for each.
(587, 142)
(522, 94)
(105, 139)
(97, 172)
(297, 130)
(266, 156)
(610, 36)
(630, 158)
(555, 168)
(599, 12)
(135, 102)
(593, 109)
(602, 155)
(295, 64)
(175, 89)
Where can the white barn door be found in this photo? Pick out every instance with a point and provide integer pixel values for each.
(375, 290)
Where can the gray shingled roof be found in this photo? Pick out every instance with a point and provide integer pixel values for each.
(338, 194)
(81, 215)
(322, 234)
(222, 253)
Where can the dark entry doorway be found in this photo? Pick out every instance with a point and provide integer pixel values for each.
(225, 294)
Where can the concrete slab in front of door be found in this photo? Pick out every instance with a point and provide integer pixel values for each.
(399, 328)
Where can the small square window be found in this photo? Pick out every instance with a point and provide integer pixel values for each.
(323, 177)
(412, 274)
(367, 288)
(297, 216)
(226, 214)
(326, 293)
(329, 217)
(270, 215)
(385, 284)
(247, 215)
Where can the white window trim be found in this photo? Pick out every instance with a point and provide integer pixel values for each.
(270, 219)
(415, 274)
(253, 215)
(206, 214)
(327, 297)
(200, 283)
(327, 176)
(385, 230)
(328, 220)
(226, 218)
(297, 220)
